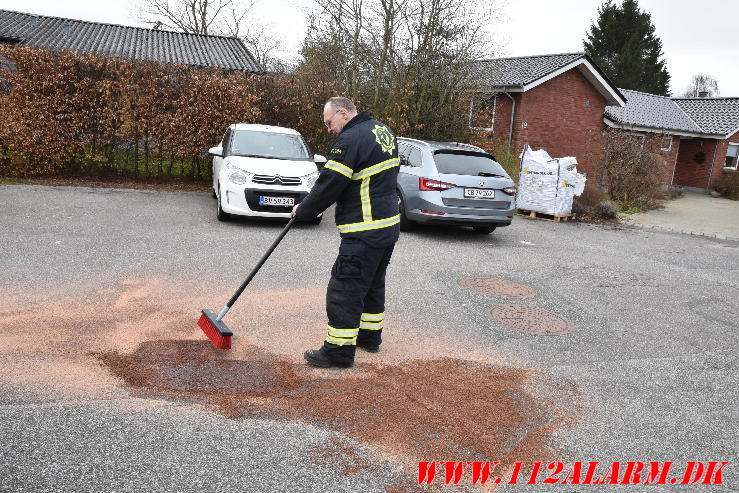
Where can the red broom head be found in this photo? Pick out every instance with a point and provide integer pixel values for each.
(216, 330)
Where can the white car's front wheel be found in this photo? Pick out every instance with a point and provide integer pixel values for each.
(220, 213)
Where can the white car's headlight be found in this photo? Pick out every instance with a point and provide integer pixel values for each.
(310, 179)
(238, 177)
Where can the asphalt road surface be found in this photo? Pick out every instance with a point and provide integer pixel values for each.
(626, 340)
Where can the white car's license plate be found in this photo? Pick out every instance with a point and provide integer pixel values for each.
(284, 201)
(479, 193)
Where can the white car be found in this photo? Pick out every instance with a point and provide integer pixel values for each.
(262, 170)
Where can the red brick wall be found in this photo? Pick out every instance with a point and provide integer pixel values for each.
(723, 148)
(669, 158)
(502, 120)
(563, 115)
(691, 174)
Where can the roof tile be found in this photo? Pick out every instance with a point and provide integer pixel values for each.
(649, 110)
(130, 42)
(519, 71)
(713, 115)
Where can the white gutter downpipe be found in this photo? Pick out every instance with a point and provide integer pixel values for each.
(674, 166)
(513, 115)
(713, 163)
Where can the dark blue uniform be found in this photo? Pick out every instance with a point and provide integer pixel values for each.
(361, 178)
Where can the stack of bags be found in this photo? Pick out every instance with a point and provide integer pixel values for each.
(547, 184)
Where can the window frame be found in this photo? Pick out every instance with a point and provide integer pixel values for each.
(641, 138)
(662, 144)
(492, 117)
(736, 158)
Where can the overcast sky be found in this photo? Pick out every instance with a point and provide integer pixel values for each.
(697, 37)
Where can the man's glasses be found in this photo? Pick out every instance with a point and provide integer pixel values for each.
(328, 123)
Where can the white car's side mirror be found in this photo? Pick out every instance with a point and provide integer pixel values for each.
(318, 159)
(216, 151)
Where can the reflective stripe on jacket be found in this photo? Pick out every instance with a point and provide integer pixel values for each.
(361, 178)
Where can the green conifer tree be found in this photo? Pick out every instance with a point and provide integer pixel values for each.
(622, 43)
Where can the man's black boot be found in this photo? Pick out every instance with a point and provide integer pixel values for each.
(369, 340)
(319, 358)
(370, 348)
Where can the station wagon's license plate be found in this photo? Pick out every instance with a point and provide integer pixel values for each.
(283, 201)
(479, 193)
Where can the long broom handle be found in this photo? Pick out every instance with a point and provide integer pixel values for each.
(255, 270)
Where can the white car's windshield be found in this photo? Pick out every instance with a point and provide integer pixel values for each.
(269, 145)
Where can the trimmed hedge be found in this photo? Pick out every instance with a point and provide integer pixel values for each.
(72, 113)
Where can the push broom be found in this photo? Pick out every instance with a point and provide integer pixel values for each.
(213, 326)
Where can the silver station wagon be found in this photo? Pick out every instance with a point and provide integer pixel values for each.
(452, 183)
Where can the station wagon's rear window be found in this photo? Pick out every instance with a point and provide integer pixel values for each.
(449, 162)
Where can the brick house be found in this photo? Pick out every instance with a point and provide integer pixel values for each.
(56, 33)
(555, 102)
(564, 102)
(718, 119)
(699, 135)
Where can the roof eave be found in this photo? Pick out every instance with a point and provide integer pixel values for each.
(658, 130)
(731, 133)
(495, 88)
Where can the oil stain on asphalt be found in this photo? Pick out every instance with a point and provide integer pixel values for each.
(439, 409)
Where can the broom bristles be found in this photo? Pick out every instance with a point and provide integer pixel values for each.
(216, 331)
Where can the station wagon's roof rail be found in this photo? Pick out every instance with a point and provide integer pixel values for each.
(461, 144)
(416, 141)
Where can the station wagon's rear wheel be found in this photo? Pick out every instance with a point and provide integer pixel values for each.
(484, 230)
(405, 223)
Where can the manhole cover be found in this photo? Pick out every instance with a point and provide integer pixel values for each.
(497, 286)
(531, 320)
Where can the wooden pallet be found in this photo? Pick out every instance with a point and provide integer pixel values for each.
(547, 217)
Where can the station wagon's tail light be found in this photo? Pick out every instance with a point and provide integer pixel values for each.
(426, 185)
(510, 190)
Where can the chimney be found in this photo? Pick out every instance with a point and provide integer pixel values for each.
(703, 94)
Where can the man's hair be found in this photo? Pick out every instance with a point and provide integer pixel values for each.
(342, 103)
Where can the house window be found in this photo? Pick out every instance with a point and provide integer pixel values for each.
(666, 143)
(6, 66)
(638, 138)
(731, 156)
(482, 112)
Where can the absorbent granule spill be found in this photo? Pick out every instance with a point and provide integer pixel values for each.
(440, 409)
(441, 398)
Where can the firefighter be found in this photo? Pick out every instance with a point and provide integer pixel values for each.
(360, 176)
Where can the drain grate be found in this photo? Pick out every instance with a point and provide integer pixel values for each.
(498, 286)
(532, 320)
